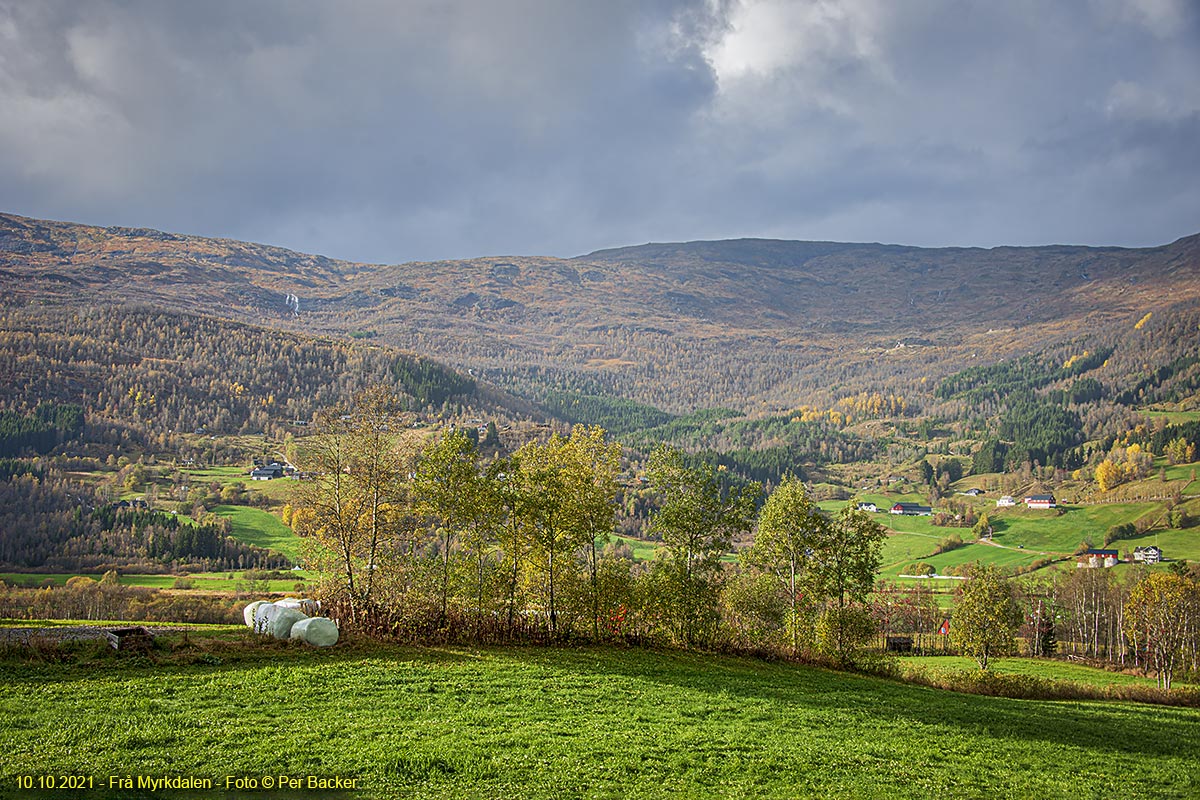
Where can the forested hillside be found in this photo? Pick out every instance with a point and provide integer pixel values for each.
(143, 376)
(760, 326)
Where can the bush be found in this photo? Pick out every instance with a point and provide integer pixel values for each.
(1125, 530)
(754, 609)
(951, 542)
(842, 631)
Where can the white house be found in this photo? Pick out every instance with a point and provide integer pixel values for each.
(1150, 554)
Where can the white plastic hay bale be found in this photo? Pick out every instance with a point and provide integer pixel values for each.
(248, 612)
(262, 616)
(281, 622)
(299, 628)
(320, 632)
(309, 607)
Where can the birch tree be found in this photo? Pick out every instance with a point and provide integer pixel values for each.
(358, 491)
(447, 487)
(1158, 617)
(790, 526)
(842, 570)
(697, 522)
(986, 615)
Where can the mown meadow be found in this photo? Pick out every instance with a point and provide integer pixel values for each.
(568, 722)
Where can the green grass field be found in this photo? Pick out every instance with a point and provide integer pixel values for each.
(642, 550)
(1176, 544)
(262, 529)
(1173, 417)
(201, 581)
(1026, 536)
(220, 475)
(573, 722)
(1039, 668)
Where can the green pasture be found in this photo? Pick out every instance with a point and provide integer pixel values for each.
(1175, 544)
(642, 550)
(1172, 417)
(262, 529)
(923, 525)
(1026, 535)
(278, 490)
(902, 549)
(1179, 472)
(1034, 529)
(1049, 669)
(984, 554)
(1055, 533)
(222, 475)
(201, 581)
(570, 722)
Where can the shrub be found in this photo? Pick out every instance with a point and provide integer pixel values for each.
(948, 543)
(1125, 530)
(842, 631)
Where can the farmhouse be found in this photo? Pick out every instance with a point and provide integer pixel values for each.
(1150, 554)
(267, 473)
(125, 505)
(1040, 501)
(912, 510)
(1006, 500)
(1098, 558)
(868, 507)
(973, 492)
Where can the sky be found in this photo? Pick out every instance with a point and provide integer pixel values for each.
(397, 131)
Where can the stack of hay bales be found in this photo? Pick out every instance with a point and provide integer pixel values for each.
(285, 619)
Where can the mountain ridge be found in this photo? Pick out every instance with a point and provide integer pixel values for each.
(748, 323)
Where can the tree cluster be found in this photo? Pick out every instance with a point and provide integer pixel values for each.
(430, 536)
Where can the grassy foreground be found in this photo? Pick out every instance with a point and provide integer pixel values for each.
(525, 722)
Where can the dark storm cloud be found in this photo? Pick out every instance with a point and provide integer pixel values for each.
(386, 132)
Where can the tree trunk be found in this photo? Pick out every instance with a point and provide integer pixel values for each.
(553, 611)
(595, 594)
(445, 574)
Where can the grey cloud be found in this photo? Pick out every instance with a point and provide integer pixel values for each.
(385, 132)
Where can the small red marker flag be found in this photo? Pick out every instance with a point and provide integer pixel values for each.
(945, 629)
